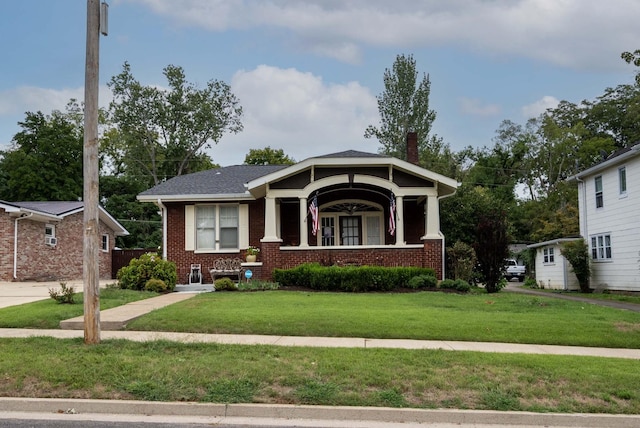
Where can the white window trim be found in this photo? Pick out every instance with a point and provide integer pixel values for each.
(191, 229)
(601, 192)
(548, 256)
(103, 247)
(597, 248)
(622, 193)
(50, 238)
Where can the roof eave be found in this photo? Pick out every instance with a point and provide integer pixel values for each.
(360, 161)
(196, 197)
(634, 151)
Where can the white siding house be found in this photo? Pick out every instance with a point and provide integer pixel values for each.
(553, 271)
(609, 204)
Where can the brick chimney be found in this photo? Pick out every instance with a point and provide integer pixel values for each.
(412, 148)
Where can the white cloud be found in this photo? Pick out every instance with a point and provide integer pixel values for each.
(30, 98)
(299, 113)
(537, 108)
(569, 33)
(475, 107)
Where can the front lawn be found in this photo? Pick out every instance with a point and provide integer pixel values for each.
(48, 313)
(501, 317)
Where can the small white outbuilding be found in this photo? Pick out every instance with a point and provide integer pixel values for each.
(553, 271)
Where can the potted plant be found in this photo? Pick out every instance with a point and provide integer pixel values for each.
(252, 253)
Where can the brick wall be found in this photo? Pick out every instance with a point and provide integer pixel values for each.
(271, 256)
(37, 261)
(6, 246)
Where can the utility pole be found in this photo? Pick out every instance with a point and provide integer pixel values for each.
(90, 265)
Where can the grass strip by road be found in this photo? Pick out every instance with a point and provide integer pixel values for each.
(166, 371)
(48, 313)
(501, 317)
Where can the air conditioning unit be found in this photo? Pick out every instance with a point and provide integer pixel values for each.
(50, 240)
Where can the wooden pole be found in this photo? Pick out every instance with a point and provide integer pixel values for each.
(90, 265)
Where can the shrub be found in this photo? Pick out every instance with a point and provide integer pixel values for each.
(531, 283)
(448, 284)
(348, 278)
(64, 295)
(148, 266)
(462, 286)
(455, 284)
(156, 285)
(422, 281)
(463, 260)
(257, 285)
(225, 284)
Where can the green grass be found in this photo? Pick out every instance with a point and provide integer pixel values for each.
(166, 371)
(48, 313)
(501, 317)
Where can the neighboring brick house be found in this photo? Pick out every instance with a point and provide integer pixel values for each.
(44, 241)
(220, 212)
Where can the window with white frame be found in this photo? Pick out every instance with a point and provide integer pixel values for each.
(548, 255)
(217, 227)
(599, 195)
(104, 246)
(622, 180)
(50, 234)
(601, 247)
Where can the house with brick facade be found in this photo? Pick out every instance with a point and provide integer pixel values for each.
(347, 208)
(43, 241)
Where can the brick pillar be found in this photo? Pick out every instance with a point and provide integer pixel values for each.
(433, 256)
(270, 256)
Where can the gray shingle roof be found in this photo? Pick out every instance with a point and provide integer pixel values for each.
(51, 207)
(219, 181)
(351, 154)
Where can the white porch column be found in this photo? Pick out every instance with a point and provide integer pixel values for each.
(432, 218)
(304, 235)
(270, 229)
(400, 220)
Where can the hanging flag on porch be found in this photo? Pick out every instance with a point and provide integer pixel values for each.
(392, 214)
(313, 210)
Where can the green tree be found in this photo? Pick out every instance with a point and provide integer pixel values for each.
(142, 221)
(404, 107)
(267, 156)
(492, 244)
(44, 161)
(162, 133)
(633, 58)
(577, 253)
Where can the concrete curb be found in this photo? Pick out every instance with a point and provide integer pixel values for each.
(390, 415)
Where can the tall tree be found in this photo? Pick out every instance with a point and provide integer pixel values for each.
(44, 161)
(163, 132)
(267, 156)
(404, 107)
(633, 58)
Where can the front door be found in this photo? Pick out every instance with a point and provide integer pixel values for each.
(350, 230)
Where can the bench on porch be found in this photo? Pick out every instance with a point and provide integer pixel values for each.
(226, 268)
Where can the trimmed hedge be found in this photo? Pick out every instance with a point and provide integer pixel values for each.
(350, 278)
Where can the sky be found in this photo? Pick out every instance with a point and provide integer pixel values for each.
(307, 72)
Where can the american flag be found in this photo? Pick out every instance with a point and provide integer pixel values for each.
(313, 210)
(392, 214)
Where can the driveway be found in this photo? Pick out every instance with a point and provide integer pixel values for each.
(17, 293)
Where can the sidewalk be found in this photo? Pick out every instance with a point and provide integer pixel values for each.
(277, 415)
(112, 321)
